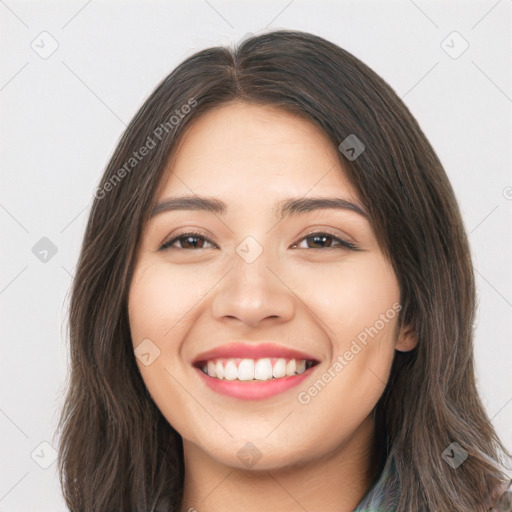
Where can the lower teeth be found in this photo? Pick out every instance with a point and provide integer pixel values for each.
(255, 380)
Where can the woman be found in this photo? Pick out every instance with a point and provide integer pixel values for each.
(274, 302)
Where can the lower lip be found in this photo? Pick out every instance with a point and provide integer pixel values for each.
(254, 390)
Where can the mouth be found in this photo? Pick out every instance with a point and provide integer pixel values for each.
(249, 372)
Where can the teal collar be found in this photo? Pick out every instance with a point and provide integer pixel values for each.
(384, 494)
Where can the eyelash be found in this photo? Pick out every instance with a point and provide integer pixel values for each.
(342, 244)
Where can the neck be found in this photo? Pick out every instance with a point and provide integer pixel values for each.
(336, 482)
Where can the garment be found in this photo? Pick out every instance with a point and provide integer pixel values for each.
(384, 495)
(504, 503)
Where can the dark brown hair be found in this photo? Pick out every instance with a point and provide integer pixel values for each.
(117, 451)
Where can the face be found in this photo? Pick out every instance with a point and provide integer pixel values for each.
(256, 287)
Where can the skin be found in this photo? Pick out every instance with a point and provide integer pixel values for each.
(316, 297)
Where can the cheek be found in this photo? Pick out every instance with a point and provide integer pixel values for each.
(346, 390)
(351, 296)
(359, 307)
(159, 301)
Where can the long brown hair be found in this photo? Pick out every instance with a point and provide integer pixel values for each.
(117, 451)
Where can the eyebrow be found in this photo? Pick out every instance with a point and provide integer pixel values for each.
(282, 209)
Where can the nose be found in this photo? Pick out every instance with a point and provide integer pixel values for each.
(254, 292)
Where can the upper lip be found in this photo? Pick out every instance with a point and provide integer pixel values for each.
(250, 351)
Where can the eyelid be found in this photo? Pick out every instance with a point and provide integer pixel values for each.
(176, 237)
(334, 232)
(343, 240)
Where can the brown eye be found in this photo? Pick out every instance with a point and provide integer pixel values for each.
(321, 240)
(187, 241)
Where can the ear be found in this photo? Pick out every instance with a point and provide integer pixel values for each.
(407, 339)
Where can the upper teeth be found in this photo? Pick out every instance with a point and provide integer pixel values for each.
(251, 369)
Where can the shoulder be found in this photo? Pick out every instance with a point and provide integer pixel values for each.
(504, 502)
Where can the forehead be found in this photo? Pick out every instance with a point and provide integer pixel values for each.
(246, 149)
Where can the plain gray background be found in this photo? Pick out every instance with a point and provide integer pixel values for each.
(63, 113)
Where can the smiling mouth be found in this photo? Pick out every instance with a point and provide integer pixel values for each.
(253, 370)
